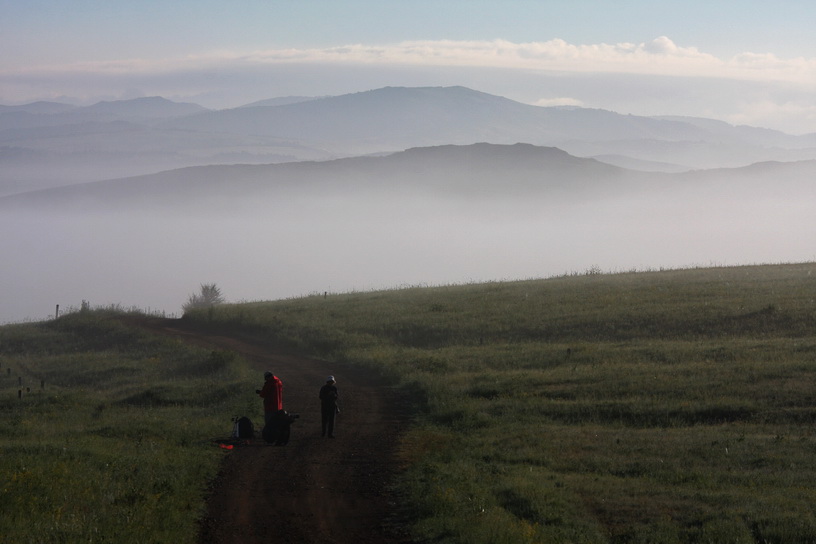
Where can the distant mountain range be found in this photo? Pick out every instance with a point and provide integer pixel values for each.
(470, 172)
(47, 144)
(139, 110)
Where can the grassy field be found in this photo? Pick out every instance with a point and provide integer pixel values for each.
(106, 431)
(653, 407)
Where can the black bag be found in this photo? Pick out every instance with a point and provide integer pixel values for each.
(243, 428)
(278, 430)
(270, 433)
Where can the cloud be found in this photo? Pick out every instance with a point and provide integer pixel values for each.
(561, 101)
(660, 56)
(767, 112)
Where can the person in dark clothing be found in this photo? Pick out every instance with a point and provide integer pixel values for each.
(328, 406)
(272, 395)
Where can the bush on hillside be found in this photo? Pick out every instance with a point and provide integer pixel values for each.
(209, 296)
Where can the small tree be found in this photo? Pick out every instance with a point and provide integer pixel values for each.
(209, 296)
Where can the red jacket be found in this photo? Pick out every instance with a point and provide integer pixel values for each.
(272, 393)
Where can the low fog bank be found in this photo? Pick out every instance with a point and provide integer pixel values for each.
(314, 243)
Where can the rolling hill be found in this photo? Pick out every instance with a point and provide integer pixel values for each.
(45, 145)
(395, 118)
(472, 171)
(468, 172)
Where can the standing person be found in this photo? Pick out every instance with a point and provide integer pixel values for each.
(272, 395)
(328, 406)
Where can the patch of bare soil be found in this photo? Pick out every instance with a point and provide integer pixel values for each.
(313, 490)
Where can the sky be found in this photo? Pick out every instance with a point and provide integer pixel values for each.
(742, 61)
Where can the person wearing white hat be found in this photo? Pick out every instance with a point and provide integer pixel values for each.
(328, 406)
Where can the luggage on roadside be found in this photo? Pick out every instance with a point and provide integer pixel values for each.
(278, 430)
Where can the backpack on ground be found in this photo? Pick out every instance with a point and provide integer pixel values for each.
(243, 428)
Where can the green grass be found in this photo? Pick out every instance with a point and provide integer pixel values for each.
(107, 431)
(654, 407)
(672, 406)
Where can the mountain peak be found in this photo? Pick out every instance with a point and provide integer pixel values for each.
(453, 92)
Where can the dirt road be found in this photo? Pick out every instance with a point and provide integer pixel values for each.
(314, 490)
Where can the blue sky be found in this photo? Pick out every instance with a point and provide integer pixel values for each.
(746, 62)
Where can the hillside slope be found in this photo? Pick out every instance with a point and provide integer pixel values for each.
(478, 170)
(474, 171)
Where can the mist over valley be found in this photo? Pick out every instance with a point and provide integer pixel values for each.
(427, 215)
